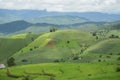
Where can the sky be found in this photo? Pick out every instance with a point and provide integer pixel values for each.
(107, 6)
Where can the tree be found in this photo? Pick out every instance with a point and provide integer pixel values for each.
(94, 34)
(53, 29)
(31, 49)
(113, 36)
(11, 62)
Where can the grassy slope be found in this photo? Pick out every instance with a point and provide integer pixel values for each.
(42, 53)
(106, 46)
(19, 36)
(49, 53)
(70, 71)
(12, 44)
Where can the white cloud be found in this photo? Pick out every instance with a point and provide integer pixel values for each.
(110, 6)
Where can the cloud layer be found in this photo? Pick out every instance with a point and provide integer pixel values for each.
(109, 6)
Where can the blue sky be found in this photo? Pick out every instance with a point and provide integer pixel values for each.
(108, 6)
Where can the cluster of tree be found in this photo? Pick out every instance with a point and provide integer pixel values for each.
(53, 29)
(113, 36)
(95, 34)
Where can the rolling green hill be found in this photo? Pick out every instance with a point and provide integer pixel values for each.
(43, 45)
(63, 54)
(51, 46)
(62, 45)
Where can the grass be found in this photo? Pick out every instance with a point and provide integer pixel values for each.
(45, 53)
(67, 71)
(39, 51)
(22, 36)
(98, 60)
(106, 46)
(10, 45)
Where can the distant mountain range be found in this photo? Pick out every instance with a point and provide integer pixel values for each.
(17, 26)
(50, 17)
(12, 21)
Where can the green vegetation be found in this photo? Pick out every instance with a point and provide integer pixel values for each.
(64, 71)
(106, 47)
(46, 48)
(12, 44)
(61, 55)
(11, 62)
(42, 45)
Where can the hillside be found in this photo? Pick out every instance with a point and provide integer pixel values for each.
(61, 55)
(14, 26)
(12, 44)
(106, 47)
(51, 46)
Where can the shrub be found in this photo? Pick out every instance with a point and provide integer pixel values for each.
(94, 34)
(31, 49)
(76, 58)
(11, 62)
(68, 42)
(118, 58)
(35, 47)
(118, 53)
(89, 74)
(21, 51)
(99, 60)
(118, 69)
(110, 53)
(24, 60)
(113, 36)
(56, 60)
(108, 57)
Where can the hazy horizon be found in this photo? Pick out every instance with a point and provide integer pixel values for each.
(102, 6)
